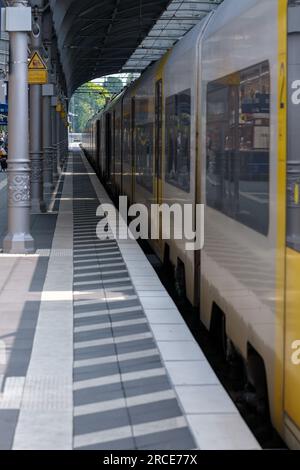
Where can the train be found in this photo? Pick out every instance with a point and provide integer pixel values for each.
(215, 122)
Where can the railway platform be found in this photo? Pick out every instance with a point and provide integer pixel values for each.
(93, 352)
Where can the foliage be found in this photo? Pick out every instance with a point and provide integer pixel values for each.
(88, 100)
(114, 85)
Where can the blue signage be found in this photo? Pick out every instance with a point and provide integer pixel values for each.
(3, 114)
(3, 108)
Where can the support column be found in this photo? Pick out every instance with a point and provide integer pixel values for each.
(47, 136)
(36, 152)
(62, 149)
(66, 135)
(58, 138)
(18, 238)
(54, 137)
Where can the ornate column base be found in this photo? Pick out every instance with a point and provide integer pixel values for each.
(18, 243)
(18, 239)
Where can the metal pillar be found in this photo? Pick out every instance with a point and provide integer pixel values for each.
(36, 152)
(65, 134)
(18, 238)
(58, 139)
(47, 137)
(62, 148)
(54, 138)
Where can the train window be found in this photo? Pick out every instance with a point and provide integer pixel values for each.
(178, 139)
(158, 128)
(108, 146)
(98, 142)
(132, 138)
(238, 146)
(118, 147)
(144, 143)
(113, 166)
(126, 134)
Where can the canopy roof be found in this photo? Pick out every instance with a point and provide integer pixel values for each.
(102, 37)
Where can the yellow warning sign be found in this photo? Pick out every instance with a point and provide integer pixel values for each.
(36, 62)
(37, 70)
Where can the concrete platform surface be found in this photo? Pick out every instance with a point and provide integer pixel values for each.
(93, 352)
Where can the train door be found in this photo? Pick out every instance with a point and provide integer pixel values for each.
(108, 142)
(158, 141)
(98, 163)
(132, 149)
(122, 144)
(113, 166)
(158, 150)
(292, 312)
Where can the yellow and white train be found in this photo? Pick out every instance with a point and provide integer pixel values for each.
(216, 121)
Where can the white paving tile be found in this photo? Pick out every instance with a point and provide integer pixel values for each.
(90, 314)
(222, 432)
(123, 402)
(44, 431)
(118, 378)
(118, 339)
(108, 435)
(115, 358)
(119, 288)
(88, 283)
(103, 326)
(81, 269)
(148, 284)
(161, 293)
(158, 302)
(205, 399)
(171, 316)
(92, 259)
(191, 373)
(171, 332)
(180, 351)
(88, 274)
(115, 271)
(159, 426)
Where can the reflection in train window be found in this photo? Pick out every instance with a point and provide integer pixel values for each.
(238, 146)
(144, 143)
(126, 133)
(178, 140)
(118, 143)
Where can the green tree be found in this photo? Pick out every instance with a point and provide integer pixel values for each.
(114, 85)
(87, 101)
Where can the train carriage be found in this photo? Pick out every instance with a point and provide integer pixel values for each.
(216, 122)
